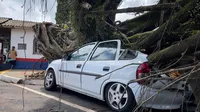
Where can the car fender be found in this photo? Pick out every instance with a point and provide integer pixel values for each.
(55, 65)
(135, 87)
(55, 71)
(110, 81)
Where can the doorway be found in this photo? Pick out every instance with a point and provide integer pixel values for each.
(5, 36)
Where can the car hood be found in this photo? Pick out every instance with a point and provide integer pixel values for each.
(57, 61)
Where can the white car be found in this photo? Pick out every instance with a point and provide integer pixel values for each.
(102, 70)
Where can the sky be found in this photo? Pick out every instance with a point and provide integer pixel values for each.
(132, 3)
(13, 9)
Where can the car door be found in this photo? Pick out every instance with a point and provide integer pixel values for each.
(101, 61)
(72, 67)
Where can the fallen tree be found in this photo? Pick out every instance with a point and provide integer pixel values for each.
(188, 46)
(85, 27)
(171, 45)
(138, 9)
(173, 23)
(54, 41)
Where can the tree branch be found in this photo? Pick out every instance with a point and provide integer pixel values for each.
(159, 7)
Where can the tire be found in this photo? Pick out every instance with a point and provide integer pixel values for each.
(50, 80)
(113, 93)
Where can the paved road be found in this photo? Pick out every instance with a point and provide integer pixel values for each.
(37, 99)
(11, 100)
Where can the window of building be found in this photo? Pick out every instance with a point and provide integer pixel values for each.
(21, 46)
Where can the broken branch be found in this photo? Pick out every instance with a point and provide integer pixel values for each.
(159, 7)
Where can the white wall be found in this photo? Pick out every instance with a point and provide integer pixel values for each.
(16, 35)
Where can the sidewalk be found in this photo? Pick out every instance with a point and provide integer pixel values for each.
(16, 76)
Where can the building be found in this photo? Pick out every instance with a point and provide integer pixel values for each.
(21, 35)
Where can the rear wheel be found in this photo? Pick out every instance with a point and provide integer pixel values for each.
(113, 94)
(50, 80)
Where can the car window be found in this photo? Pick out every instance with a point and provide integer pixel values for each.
(127, 54)
(82, 53)
(105, 51)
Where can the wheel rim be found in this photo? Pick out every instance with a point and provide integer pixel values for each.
(115, 93)
(49, 79)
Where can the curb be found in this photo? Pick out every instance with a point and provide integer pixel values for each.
(10, 79)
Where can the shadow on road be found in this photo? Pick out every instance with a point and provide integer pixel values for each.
(79, 99)
(89, 102)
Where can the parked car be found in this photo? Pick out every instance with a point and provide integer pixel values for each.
(102, 70)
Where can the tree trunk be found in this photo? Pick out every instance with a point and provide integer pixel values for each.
(189, 45)
(173, 23)
(53, 42)
(143, 23)
(158, 7)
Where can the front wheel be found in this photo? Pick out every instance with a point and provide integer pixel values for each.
(113, 94)
(50, 80)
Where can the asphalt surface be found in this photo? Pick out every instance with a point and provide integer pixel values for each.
(11, 100)
(36, 99)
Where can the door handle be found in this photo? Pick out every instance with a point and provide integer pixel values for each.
(78, 66)
(106, 68)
